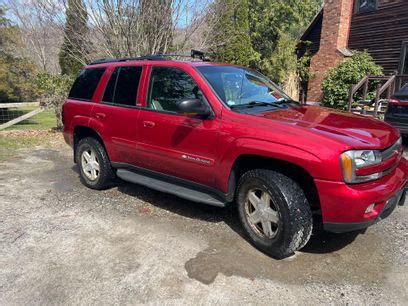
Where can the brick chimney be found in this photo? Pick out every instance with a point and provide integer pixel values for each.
(333, 43)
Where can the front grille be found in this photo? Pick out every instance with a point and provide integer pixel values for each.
(389, 152)
(395, 149)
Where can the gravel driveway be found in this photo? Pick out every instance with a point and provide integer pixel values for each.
(63, 243)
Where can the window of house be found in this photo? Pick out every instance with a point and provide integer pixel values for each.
(363, 6)
(169, 86)
(123, 86)
(86, 83)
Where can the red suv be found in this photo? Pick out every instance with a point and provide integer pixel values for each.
(218, 134)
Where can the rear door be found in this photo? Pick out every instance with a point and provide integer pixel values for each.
(171, 143)
(78, 106)
(117, 113)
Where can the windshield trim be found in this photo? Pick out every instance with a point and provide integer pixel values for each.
(252, 71)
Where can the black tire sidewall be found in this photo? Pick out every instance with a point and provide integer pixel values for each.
(264, 243)
(291, 203)
(105, 170)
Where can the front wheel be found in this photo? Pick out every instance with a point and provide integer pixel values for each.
(274, 212)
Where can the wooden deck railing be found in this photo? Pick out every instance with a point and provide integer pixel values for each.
(390, 85)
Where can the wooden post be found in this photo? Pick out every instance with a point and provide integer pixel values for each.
(366, 89)
(389, 92)
(377, 99)
(350, 102)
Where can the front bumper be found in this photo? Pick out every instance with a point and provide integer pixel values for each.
(344, 206)
(342, 227)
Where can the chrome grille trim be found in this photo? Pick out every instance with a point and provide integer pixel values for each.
(388, 153)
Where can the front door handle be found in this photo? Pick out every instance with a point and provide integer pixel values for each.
(148, 124)
(100, 115)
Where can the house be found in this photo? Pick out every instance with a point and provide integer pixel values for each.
(378, 26)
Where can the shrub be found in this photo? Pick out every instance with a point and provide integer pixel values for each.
(53, 90)
(338, 80)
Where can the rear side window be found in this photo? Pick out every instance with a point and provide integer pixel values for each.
(123, 86)
(86, 83)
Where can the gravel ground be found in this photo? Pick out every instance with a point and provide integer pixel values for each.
(61, 243)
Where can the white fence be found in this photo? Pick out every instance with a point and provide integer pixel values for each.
(8, 119)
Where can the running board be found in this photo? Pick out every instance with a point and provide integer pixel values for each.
(162, 185)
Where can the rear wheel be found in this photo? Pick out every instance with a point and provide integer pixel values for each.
(274, 212)
(94, 166)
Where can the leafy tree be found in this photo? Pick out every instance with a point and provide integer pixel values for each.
(338, 80)
(16, 74)
(262, 34)
(75, 48)
(231, 41)
(275, 27)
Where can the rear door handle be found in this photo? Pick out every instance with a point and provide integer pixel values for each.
(148, 124)
(100, 115)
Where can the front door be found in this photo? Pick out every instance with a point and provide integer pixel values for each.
(171, 143)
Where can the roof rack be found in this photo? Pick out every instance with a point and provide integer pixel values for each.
(155, 57)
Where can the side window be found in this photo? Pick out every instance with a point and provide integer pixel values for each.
(168, 86)
(366, 5)
(123, 86)
(86, 83)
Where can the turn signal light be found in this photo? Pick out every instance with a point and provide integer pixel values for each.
(347, 167)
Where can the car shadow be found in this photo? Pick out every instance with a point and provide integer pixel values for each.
(321, 242)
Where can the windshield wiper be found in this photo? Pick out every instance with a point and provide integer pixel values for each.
(255, 103)
(286, 102)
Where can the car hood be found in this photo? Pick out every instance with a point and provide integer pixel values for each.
(353, 130)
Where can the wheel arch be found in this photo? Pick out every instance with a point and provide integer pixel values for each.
(300, 175)
(81, 132)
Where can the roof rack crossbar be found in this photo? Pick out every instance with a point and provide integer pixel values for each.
(155, 57)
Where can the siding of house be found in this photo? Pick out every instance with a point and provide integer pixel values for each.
(312, 35)
(382, 33)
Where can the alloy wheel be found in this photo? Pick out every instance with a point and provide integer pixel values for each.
(262, 215)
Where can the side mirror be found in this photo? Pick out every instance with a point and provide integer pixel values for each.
(193, 108)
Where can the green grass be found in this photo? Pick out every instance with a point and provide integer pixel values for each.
(9, 145)
(26, 134)
(42, 121)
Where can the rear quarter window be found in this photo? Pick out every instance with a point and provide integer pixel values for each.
(86, 83)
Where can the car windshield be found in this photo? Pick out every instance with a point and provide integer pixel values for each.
(237, 86)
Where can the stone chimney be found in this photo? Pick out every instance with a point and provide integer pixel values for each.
(333, 43)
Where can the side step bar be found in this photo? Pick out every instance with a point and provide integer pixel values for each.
(182, 191)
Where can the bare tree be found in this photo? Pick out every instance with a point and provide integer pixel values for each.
(117, 28)
(41, 36)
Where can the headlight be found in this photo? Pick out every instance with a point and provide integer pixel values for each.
(355, 159)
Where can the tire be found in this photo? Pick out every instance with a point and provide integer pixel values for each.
(105, 176)
(287, 206)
